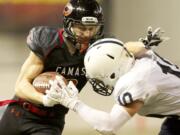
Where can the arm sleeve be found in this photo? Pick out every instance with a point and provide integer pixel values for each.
(105, 123)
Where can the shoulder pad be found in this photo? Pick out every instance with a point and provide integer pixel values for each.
(129, 88)
(42, 39)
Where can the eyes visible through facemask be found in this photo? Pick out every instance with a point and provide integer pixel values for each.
(85, 30)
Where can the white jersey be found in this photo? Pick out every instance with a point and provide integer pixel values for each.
(153, 80)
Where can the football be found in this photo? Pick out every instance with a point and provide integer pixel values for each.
(41, 82)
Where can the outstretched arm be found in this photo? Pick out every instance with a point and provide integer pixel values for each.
(153, 38)
(136, 48)
(105, 123)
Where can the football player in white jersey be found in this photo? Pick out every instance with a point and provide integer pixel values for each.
(149, 86)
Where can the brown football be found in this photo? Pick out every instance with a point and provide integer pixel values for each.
(41, 82)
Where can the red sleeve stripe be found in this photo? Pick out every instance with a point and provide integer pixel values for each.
(61, 36)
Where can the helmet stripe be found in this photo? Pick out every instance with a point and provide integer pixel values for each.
(110, 41)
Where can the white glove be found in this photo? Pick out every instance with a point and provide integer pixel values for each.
(47, 100)
(64, 94)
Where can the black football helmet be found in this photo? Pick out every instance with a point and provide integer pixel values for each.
(86, 12)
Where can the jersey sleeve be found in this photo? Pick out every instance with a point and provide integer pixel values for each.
(134, 85)
(41, 40)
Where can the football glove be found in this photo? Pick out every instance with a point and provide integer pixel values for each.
(48, 102)
(64, 94)
(153, 38)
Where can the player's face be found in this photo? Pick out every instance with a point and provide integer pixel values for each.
(84, 33)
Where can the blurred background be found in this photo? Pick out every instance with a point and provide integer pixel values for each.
(126, 19)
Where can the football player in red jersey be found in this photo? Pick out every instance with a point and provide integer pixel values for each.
(52, 49)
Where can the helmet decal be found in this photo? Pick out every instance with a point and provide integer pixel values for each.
(89, 20)
(68, 9)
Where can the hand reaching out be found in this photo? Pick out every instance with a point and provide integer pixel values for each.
(65, 94)
(47, 100)
(153, 38)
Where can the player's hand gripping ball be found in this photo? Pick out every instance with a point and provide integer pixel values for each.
(41, 82)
